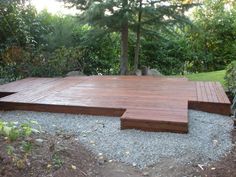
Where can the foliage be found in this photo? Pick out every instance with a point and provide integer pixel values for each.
(26, 146)
(20, 34)
(10, 150)
(57, 161)
(99, 51)
(17, 136)
(212, 41)
(20, 26)
(60, 30)
(14, 130)
(123, 16)
(230, 77)
(164, 54)
(88, 59)
(42, 44)
(61, 44)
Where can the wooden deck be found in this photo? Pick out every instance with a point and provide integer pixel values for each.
(146, 103)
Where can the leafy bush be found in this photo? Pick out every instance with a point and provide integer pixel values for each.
(40, 63)
(165, 55)
(57, 161)
(230, 77)
(211, 41)
(19, 144)
(14, 130)
(20, 26)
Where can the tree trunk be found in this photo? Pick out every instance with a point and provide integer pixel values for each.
(138, 34)
(22, 2)
(124, 43)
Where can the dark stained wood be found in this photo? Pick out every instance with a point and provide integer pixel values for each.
(3, 94)
(164, 120)
(146, 125)
(217, 108)
(147, 103)
(62, 109)
(211, 97)
(26, 84)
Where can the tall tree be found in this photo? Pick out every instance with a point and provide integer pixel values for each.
(138, 35)
(110, 15)
(213, 44)
(135, 15)
(153, 18)
(124, 40)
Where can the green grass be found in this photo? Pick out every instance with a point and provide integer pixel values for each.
(208, 76)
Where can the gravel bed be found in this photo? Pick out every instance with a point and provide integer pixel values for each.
(209, 137)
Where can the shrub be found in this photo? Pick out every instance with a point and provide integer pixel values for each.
(230, 77)
(14, 130)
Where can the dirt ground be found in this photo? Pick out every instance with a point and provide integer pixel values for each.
(62, 155)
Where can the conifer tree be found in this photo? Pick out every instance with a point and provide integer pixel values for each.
(144, 17)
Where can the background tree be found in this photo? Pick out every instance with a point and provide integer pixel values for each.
(42, 44)
(124, 15)
(213, 43)
(155, 19)
(111, 16)
(158, 35)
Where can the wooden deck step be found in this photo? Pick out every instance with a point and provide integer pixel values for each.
(211, 97)
(156, 120)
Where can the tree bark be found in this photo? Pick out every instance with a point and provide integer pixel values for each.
(138, 34)
(22, 2)
(124, 43)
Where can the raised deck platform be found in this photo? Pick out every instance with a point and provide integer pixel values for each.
(146, 103)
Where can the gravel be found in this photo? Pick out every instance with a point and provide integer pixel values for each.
(209, 137)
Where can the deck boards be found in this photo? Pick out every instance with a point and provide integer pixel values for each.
(211, 97)
(211, 92)
(146, 103)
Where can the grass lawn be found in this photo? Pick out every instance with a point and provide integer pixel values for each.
(208, 76)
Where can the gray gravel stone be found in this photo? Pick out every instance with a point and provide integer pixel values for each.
(209, 137)
(39, 142)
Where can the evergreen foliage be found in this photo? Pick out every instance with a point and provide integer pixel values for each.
(148, 18)
(117, 36)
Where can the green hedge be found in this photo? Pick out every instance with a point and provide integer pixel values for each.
(230, 77)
